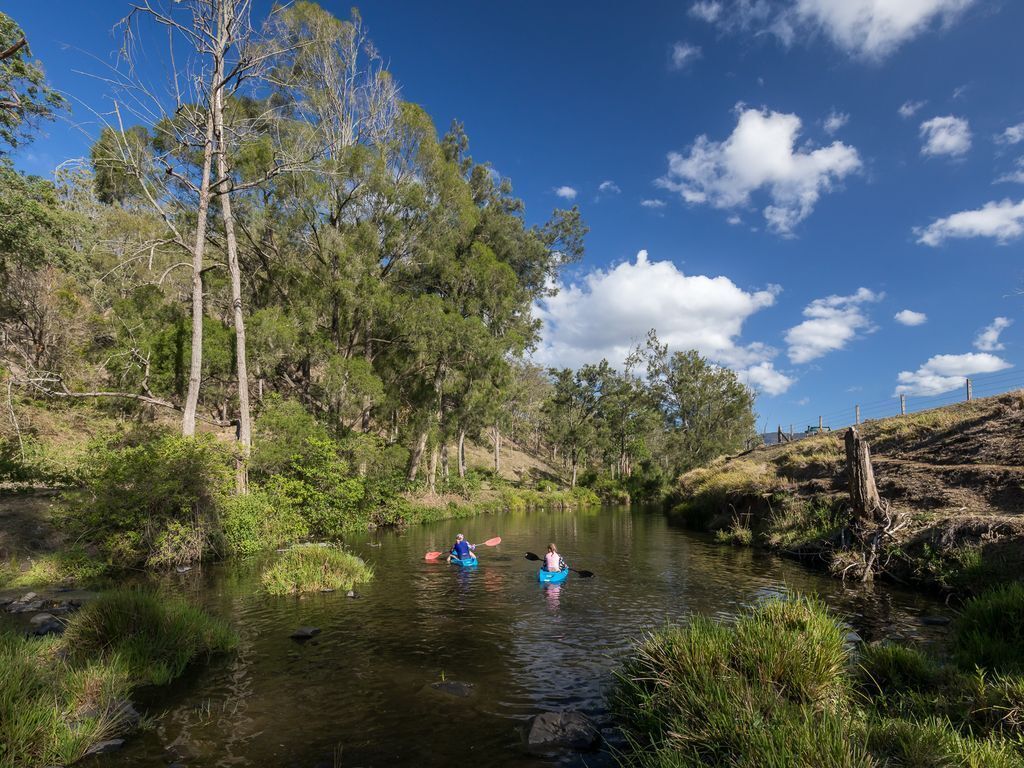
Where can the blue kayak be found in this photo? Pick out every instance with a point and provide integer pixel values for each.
(465, 562)
(552, 577)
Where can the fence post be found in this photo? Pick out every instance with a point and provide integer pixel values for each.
(820, 424)
(790, 433)
(856, 414)
(903, 405)
(969, 390)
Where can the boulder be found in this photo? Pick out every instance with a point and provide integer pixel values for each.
(41, 618)
(51, 627)
(304, 633)
(573, 730)
(454, 688)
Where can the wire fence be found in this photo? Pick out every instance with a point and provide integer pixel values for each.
(972, 388)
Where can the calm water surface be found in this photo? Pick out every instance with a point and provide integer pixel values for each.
(360, 694)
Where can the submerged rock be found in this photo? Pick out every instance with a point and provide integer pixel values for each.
(935, 621)
(51, 627)
(563, 729)
(454, 688)
(103, 747)
(351, 593)
(304, 633)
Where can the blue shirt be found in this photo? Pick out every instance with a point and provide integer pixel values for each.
(461, 549)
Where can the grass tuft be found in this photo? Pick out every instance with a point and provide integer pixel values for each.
(990, 631)
(313, 568)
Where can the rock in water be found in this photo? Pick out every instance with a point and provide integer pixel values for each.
(563, 729)
(41, 618)
(103, 747)
(454, 688)
(935, 621)
(304, 633)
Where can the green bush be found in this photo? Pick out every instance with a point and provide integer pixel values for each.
(155, 635)
(154, 501)
(989, 633)
(253, 523)
(313, 568)
(281, 435)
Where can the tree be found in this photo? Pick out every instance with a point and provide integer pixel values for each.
(25, 98)
(574, 403)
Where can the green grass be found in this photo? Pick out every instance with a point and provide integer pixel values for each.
(155, 635)
(313, 568)
(990, 631)
(72, 566)
(779, 687)
(59, 696)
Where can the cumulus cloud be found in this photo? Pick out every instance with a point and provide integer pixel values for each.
(909, 108)
(566, 192)
(835, 121)
(831, 323)
(868, 29)
(683, 54)
(764, 378)
(944, 373)
(707, 10)
(988, 339)
(910, 317)
(947, 135)
(760, 154)
(612, 310)
(1003, 221)
(1012, 135)
(654, 204)
(608, 187)
(1016, 175)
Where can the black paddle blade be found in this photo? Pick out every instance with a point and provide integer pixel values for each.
(585, 574)
(531, 556)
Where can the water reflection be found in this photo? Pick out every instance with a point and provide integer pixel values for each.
(364, 688)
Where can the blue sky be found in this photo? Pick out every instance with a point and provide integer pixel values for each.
(786, 207)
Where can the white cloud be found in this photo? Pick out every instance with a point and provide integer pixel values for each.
(947, 135)
(909, 108)
(612, 310)
(566, 192)
(835, 121)
(734, 220)
(944, 373)
(656, 204)
(831, 323)
(1016, 176)
(868, 29)
(1003, 221)
(760, 154)
(988, 339)
(683, 54)
(1012, 135)
(763, 378)
(608, 188)
(910, 317)
(706, 10)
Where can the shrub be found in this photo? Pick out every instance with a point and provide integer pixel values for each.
(989, 632)
(253, 523)
(313, 568)
(281, 434)
(155, 635)
(153, 502)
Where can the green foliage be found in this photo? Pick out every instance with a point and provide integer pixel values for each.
(253, 523)
(155, 635)
(281, 435)
(314, 568)
(990, 631)
(22, 81)
(153, 501)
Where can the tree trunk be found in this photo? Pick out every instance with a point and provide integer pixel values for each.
(195, 371)
(864, 497)
(224, 196)
(417, 456)
(497, 449)
(444, 462)
(462, 453)
(572, 484)
(432, 482)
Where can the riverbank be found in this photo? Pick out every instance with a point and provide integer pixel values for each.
(953, 477)
(67, 695)
(788, 684)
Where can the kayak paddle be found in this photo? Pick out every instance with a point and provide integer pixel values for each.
(583, 574)
(489, 543)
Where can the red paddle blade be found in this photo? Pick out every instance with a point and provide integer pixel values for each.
(493, 542)
(432, 555)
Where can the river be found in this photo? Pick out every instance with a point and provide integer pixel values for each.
(360, 693)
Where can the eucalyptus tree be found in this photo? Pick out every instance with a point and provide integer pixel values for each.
(575, 401)
(25, 97)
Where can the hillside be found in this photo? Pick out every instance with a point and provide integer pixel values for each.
(953, 476)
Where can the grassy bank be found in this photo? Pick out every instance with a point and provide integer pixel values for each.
(782, 686)
(954, 478)
(60, 696)
(314, 568)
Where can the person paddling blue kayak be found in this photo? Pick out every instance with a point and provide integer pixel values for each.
(462, 551)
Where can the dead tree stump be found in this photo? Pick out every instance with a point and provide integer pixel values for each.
(864, 497)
